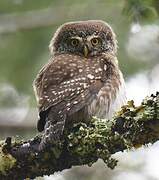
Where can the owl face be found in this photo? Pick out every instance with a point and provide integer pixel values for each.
(84, 38)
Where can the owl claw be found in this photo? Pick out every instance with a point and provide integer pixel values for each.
(51, 137)
(48, 142)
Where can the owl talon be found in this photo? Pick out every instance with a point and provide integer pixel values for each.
(51, 137)
(45, 143)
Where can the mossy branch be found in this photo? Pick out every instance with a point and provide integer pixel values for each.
(84, 144)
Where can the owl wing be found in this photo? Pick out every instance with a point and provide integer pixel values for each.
(60, 86)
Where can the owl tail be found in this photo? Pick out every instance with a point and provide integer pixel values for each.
(53, 130)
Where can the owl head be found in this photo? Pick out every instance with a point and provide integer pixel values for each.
(84, 38)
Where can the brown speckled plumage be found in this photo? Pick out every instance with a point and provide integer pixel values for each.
(73, 87)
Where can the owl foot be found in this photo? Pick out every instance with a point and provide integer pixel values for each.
(52, 136)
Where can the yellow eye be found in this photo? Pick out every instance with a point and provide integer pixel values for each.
(74, 42)
(95, 41)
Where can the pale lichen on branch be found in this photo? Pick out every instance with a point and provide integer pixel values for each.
(84, 143)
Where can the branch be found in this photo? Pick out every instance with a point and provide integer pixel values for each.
(84, 144)
(10, 23)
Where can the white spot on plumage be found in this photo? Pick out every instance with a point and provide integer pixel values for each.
(54, 92)
(61, 92)
(105, 67)
(59, 96)
(72, 94)
(98, 70)
(68, 104)
(49, 100)
(70, 89)
(85, 85)
(79, 67)
(71, 74)
(90, 76)
(77, 92)
(73, 64)
(75, 102)
(80, 70)
(98, 77)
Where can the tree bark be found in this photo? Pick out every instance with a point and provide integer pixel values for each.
(83, 144)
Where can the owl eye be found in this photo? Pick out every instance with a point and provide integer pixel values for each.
(95, 41)
(74, 42)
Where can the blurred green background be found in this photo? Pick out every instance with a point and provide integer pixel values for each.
(27, 26)
(24, 50)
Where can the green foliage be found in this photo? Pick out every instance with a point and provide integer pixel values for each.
(22, 53)
(140, 10)
(23, 5)
(26, 49)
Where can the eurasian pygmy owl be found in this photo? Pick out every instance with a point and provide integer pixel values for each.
(81, 80)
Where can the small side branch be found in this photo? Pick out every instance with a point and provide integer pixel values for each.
(84, 144)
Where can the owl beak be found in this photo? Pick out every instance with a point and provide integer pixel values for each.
(85, 51)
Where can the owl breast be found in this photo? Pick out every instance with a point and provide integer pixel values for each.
(109, 99)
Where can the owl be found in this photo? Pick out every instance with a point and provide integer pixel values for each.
(81, 80)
